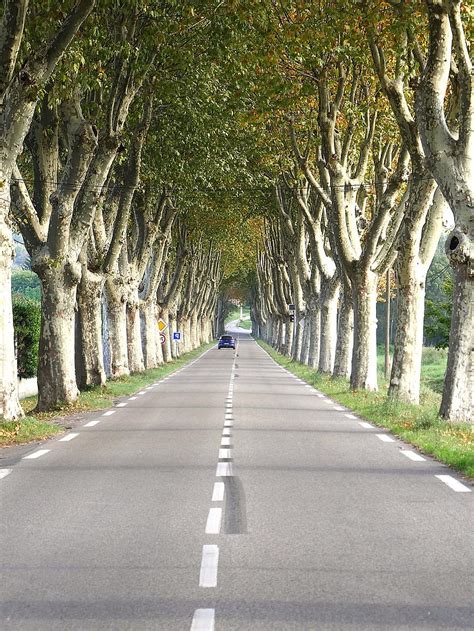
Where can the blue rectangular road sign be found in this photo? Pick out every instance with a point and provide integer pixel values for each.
(176, 336)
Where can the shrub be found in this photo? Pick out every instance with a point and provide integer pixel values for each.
(26, 322)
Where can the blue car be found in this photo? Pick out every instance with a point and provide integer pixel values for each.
(226, 341)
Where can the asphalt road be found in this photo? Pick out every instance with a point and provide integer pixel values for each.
(232, 496)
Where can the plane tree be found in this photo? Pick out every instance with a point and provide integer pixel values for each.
(31, 46)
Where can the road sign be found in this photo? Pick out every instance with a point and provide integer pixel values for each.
(292, 307)
(176, 336)
(292, 317)
(162, 338)
(162, 325)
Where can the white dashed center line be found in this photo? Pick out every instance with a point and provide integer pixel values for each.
(224, 469)
(36, 454)
(213, 524)
(203, 620)
(225, 442)
(226, 432)
(209, 563)
(225, 453)
(453, 484)
(67, 438)
(218, 492)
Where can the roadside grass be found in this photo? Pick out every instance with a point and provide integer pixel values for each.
(245, 324)
(40, 425)
(419, 425)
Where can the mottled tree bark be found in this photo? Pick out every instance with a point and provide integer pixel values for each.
(364, 353)
(117, 329)
(90, 352)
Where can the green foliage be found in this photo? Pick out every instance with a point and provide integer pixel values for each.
(27, 284)
(438, 315)
(26, 322)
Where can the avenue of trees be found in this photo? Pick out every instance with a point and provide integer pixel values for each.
(294, 150)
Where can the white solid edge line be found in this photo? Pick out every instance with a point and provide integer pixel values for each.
(36, 454)
(203, 620)
(91, 423)
(209, 563)
(218, 492)
(5, 472)
(213, 524)
(453, 484)
(68, 437)
(365, 425)
(385, 438)
(224, 469)
(109, 413)
(412, 455)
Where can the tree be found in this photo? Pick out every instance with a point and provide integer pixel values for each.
(449, 151)
(21, 83)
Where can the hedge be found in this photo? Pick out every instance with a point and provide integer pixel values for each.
(26, 322)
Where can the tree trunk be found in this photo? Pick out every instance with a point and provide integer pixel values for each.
(151, 340)
(117, 330)
(364, 353)
(345, 337)
(304, 351)
(10, 407)
(90, 352)
(408, 344)
(314, 333)
(134, 336)
(298, 336)
(56, 368)
(329, 300)
(458, 393)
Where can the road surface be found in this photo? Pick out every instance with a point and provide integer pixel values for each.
(232, 496)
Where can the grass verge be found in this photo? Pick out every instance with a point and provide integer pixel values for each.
(38, 426)
(419, 425)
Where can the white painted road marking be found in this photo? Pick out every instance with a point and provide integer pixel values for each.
(109, 413)
(412, 455)
(321, 396)
(213, 524)
(225, 442)
(133, 399)
(209, 563)
(36, 454)
(385, 438)
(5, 472)
(91, 423)
(364, 424)
(225, 453)
(67, 438)
(203, 620)
(218, 492)
(350, 416)
(228, 423)
(339, 409)
(453, 484)
(140, 393)
(121, 405)
(224, 469)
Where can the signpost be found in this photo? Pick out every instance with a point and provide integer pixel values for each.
(176, 338)
(162, 325)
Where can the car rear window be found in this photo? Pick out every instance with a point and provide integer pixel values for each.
(226, 338)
